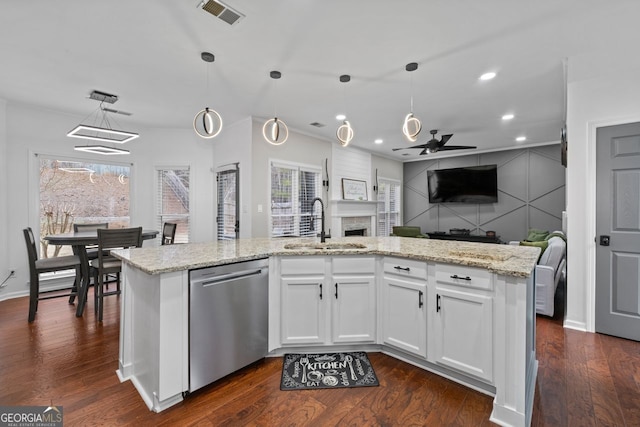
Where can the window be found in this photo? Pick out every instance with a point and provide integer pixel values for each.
(173, 200)
(388, 206)
(293, 188)
(74, 191)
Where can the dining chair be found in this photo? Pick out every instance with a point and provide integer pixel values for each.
(168, 233)
(47, 265)
(92, 251)
(109, 239)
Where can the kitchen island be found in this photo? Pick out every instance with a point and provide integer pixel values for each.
(469, 309)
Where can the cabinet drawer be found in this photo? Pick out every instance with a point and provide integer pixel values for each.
(302, 265)
(461, 275)
(354, 265)
(406, 267)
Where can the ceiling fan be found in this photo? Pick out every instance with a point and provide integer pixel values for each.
(434, 145)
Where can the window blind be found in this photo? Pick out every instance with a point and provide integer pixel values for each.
(227, 218)
(388, 206)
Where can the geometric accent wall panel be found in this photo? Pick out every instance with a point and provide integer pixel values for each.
(508, 227)
(531, 194)
(545, 175)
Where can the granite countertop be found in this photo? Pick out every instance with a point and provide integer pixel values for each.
(508, 260)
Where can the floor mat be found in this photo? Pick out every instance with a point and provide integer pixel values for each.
(327, 370)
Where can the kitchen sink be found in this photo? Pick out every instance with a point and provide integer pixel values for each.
(323, 246)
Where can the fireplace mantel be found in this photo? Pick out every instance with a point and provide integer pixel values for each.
(342, 208)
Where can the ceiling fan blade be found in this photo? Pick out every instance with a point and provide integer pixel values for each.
(444, 139)
(407, 148)
(456, 147)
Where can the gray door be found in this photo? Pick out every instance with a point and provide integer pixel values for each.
(618, 231)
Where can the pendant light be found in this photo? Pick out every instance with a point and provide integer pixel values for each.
(275, 131)
(411, 126)
(207, 123)
(103, 132)
(345, 131)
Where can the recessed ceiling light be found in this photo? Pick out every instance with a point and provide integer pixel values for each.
(341, 117)
(487, 76)
(521, 138)
(508, 117)
(378, 141)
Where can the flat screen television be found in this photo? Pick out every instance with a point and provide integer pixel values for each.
(473, 184)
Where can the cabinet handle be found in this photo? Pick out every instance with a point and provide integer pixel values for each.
(336, 290)
(420, 302)
(320, 290)
(455, 276)
(397, 267)
(437, 303)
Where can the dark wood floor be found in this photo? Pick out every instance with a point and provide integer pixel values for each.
(584, 380)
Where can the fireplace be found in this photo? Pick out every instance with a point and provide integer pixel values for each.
(353, 217)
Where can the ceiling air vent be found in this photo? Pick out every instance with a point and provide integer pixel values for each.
(317, 124)
(222, 11)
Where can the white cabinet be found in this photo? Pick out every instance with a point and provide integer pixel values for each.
(403, 303)
(461, 336)
(353, 300)
(302, 289)
(327, 300)
(303, 313)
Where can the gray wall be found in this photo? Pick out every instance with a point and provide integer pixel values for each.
(531, 194)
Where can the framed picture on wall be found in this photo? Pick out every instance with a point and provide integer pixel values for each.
(353, 189)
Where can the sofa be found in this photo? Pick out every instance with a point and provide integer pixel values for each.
(408, 231)
(551, 267)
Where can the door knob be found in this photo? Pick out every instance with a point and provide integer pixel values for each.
(605, 240)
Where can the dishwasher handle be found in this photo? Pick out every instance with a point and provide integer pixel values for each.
(229, 277)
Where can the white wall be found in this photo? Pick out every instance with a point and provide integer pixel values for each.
(603, 90)
(32, 130)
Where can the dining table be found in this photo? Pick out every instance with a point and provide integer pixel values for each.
(79, 241)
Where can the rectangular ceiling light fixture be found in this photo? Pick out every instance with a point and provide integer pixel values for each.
(222, 11)
(103, 96)
(102, 134)
(100, 149)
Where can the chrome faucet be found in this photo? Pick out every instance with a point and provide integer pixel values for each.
(313, 202)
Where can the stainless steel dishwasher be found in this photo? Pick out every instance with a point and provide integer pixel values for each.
(228, 320)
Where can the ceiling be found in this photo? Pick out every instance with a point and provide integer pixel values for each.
(147, 52)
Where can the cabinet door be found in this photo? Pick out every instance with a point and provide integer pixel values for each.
(303, 310)
(463, 332)
(354, 309)
(404, 321)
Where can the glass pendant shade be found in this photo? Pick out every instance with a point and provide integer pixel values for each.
(207, 123)
(275, 131)
(345, 133)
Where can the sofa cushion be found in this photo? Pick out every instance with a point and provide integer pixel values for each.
(536, 235)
